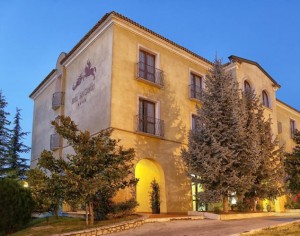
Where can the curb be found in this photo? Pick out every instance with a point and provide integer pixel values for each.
(104, 230)
(269, 227)
(166, 219)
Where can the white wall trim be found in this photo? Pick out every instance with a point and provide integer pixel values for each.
(157, 105)
(147, 49)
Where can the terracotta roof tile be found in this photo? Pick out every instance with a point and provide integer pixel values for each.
(102, 20)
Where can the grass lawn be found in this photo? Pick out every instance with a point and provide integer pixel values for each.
(286, 230)
(42, 227)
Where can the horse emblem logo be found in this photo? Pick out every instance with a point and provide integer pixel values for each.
(88, 70)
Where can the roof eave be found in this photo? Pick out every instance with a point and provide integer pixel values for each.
(240, 59)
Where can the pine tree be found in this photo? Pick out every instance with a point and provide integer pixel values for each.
(217, 157)
(16, 165)
(4, 133)
(292, 166)
(269, 174)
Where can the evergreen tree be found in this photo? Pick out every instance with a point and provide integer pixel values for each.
(4, 133)
(269, 174)
(217, 156)
(16, 165)
(292, 166)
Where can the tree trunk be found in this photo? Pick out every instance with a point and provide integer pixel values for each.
(86, 215)
(225, 204)
(91, 208)
(254, 202)
(56, 212)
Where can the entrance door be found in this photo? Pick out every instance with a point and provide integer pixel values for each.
(146, 170)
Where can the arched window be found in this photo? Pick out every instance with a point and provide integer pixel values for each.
(247, 87)
(265, 99)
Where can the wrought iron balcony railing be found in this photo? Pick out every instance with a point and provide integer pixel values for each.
(150, 125)
(196, 92)
(150, 74)
(57, 100)
(55, 141)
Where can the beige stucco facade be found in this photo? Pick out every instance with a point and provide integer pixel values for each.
(101, 89)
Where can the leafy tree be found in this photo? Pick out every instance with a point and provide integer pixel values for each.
(47, 183)
(16, 166)
(98, 162)
(4, 133)
(98, 166)
(217, 155)
(292, 166)
(16, 205)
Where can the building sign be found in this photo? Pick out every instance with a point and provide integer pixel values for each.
(84, 84)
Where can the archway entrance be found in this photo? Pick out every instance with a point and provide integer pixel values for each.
(146, 170)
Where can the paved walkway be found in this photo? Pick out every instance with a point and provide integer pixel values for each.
(205, 227)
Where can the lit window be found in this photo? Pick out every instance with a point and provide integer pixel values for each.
(265, 99)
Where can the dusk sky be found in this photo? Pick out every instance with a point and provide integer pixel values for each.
(34, 32)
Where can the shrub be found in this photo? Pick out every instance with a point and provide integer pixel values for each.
(121, 209)
(293, 202)
(259, 207)
(155, 197)
(243, 205)
(217, 210)
(103, 204)
(16, 205)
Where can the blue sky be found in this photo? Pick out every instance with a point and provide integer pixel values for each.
(34, 32)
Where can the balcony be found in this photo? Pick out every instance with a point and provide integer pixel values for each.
(57, 100)
(150, 125)
(55, 141)
(150, 74)
(196, 92)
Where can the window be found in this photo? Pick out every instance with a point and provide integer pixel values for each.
(293, 128)
(195, 121)
(147, 122)
(196, 86)
(247, 87)
(147, 66)
(265, 99)
(147, 116)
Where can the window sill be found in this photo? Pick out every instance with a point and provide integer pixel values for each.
(149, 135)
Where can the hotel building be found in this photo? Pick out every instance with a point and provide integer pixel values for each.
(146, 87)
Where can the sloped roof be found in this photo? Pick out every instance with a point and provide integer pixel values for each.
(289, 106)
(113, 13)
(42, 83)
(234, 58)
